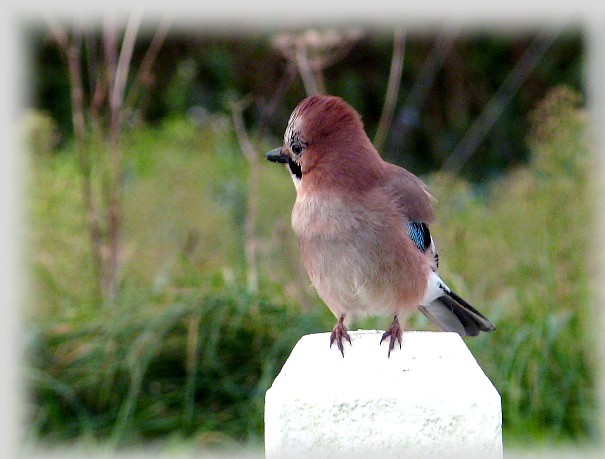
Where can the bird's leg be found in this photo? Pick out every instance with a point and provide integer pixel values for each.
(338, 333)
(394, 332)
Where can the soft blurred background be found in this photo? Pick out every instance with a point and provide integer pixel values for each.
(165, 285)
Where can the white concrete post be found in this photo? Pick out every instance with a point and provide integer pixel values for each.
(429, 400)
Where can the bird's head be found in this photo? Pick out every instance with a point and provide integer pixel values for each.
(324, 134)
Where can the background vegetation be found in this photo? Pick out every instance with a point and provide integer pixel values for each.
(186, 350)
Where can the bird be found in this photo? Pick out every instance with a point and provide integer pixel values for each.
(362, 225)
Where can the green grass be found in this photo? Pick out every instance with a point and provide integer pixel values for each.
(521, 250)
(193, 367)
(187, 353)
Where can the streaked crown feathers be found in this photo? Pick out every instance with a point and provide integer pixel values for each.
(320, 116)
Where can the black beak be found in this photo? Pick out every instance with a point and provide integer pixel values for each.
(277, 156)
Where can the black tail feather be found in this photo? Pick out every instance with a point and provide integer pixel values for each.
(450, 312)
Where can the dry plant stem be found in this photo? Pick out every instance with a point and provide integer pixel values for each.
(108, 76)
(430, 67)
(339, 53)
(319, 79)
(143, 76)
(71, 49)
(311, 54)
(192, 350)
(118, 74)
(308, 75)
(270, 106)
(392, 92)
(494, 108)
(111, 47)
(99, 89)
(253, 190)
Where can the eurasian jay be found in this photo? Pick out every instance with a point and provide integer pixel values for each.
(363, 226)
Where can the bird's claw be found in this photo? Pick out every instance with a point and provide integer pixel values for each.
(395, 333)
(338, 333)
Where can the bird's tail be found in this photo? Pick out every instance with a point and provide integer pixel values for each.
(451, 313)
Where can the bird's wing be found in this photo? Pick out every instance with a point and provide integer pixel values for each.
(413, 202)
(410, 193)
(420, 234)
(441, 305)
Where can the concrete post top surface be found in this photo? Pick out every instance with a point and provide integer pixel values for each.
(426, 361)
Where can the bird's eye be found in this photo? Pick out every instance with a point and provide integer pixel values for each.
(297, 149)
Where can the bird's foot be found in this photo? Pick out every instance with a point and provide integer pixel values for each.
(338, 333)
(395, 333)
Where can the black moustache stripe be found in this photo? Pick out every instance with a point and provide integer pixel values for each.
(295, 168)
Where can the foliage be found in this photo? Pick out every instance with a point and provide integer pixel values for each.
(188, 353)
(39, 132)
(202, 68)
(197, 364)
(521, 244)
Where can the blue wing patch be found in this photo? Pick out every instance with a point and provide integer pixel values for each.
(419, 233)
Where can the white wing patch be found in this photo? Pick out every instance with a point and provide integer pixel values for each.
(436, 288)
